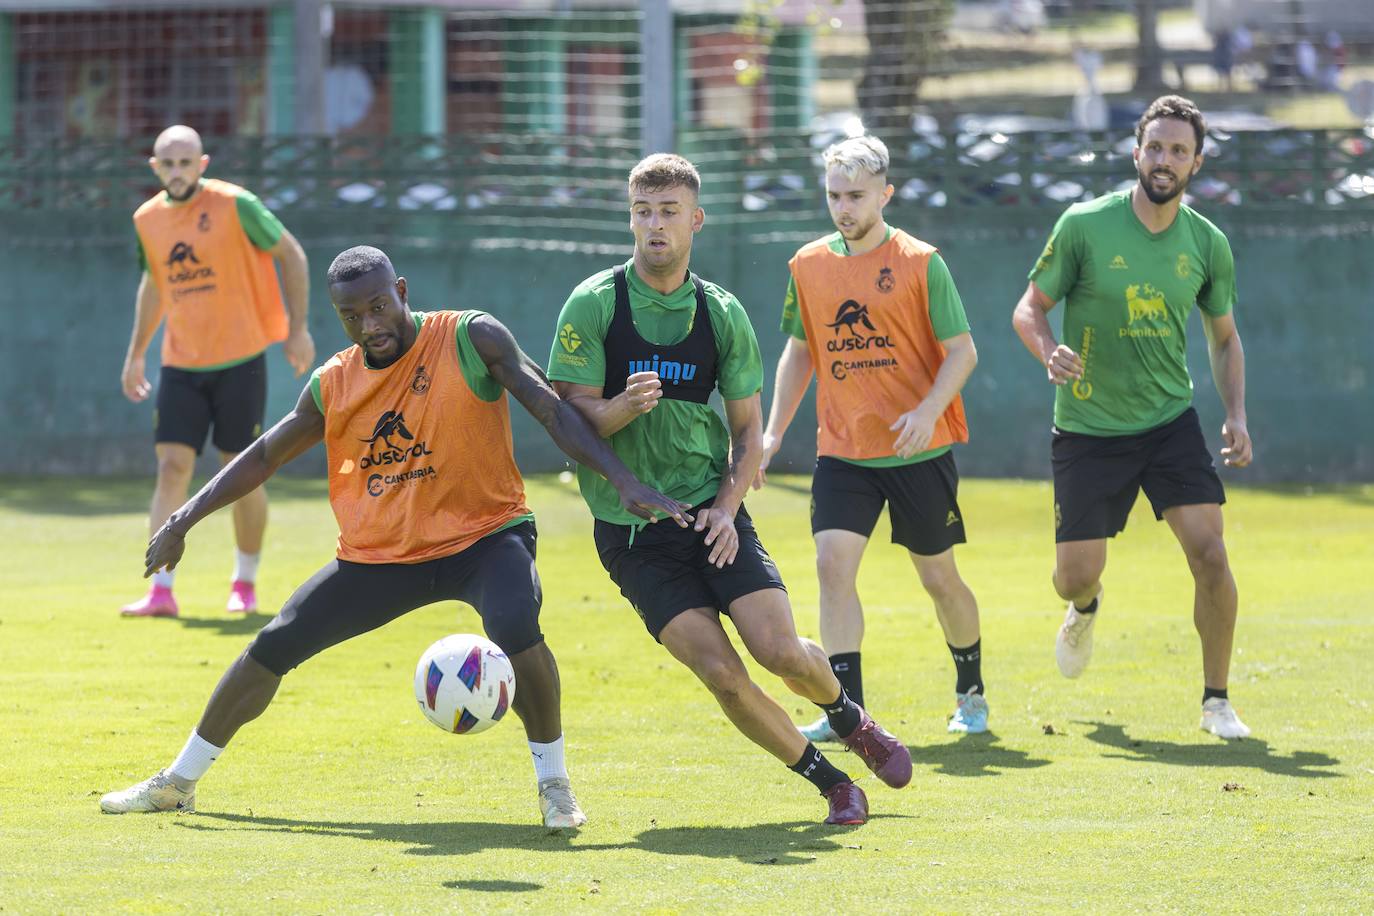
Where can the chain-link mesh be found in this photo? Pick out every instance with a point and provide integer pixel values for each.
(527, 117)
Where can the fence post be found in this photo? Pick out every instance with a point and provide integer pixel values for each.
(309, 41)
(656, 76)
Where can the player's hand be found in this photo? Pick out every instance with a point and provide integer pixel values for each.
(914, 430)
(721, 535)
(1238, 449)
(646, 502)
(135, 383)
(164, 550)
(642, 392)
(1063, 366)
(770, 448)
(299, 348)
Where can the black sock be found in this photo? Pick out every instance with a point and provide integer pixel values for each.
(968, 663)
(1210, 692)
(817, 769)
(850, 674)
(1090, 609)
(843, 714)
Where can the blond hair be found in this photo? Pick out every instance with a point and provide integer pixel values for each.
(858, 154)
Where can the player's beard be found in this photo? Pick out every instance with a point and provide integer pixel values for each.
(858, 230)
(186, 193)
(1157, 197)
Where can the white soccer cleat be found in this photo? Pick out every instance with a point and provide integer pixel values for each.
(559, 804)
(1073, 647)
(1218, 718)
(157, 793)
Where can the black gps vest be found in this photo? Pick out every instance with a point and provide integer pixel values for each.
(686, 368)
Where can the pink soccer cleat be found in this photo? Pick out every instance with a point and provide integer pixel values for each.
(887, 757)
(157, 603)
(243, 599)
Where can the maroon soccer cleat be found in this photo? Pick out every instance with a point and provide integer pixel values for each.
(848, 804)
(887, 757)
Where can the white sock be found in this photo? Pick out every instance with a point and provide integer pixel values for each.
(195, 758)
(548, 759)
(246, 566)
(164, 577)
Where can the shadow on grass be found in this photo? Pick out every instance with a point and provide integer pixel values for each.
(788, 843)
(1250, 752)
(495, 887)
(238, 625)
(974, 755)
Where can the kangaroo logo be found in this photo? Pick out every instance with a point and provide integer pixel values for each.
(1144, 301)
(391, 423)
(181, 253)
(849, 314)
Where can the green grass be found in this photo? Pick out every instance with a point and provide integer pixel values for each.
(342, 799)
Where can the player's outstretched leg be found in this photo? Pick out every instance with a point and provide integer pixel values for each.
(695, 638)
(537, 700)
(764, 621)
(243, 693)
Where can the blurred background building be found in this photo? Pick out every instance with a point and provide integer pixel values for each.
(472, 136)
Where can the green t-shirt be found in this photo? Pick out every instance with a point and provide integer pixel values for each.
(259, 223)
(475, 371)
(679, 448)
(947, 319)
(1127, 295)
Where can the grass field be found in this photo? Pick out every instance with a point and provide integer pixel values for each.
(1099, 794)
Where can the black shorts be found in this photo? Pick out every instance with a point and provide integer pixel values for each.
(664, 569)
(1096, 478)
(922, 500)
(344, 599)
(233, 399)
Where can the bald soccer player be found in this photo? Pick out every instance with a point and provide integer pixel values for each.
(208, 250)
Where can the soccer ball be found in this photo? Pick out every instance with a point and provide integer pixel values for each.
(464, 684)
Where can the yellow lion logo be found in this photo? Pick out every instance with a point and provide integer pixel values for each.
(1144, 301)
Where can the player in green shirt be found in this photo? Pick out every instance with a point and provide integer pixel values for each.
(1129, 267)
(639, 349)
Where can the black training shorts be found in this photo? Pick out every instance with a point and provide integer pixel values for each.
(344, 599)
(663, 569)
(922, 501)
(234, 400)
(1096, 478)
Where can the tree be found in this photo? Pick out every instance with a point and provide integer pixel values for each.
(1149, 60)
(905, 39)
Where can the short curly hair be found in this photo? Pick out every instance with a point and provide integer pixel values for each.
(356, 261)
(1178, 108)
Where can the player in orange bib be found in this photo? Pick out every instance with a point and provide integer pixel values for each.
(430, 506)
(207, 249)
(872, 312)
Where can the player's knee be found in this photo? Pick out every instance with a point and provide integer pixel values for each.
(833, 569)
(514, 629)
(1208, 558)
(1072, 579)
(785, 658)
(176, 466)
(940, 580)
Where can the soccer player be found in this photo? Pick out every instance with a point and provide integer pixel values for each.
(876, 310)
(430, 506)
(207, 249)
(1129, 267)
(639, 349)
